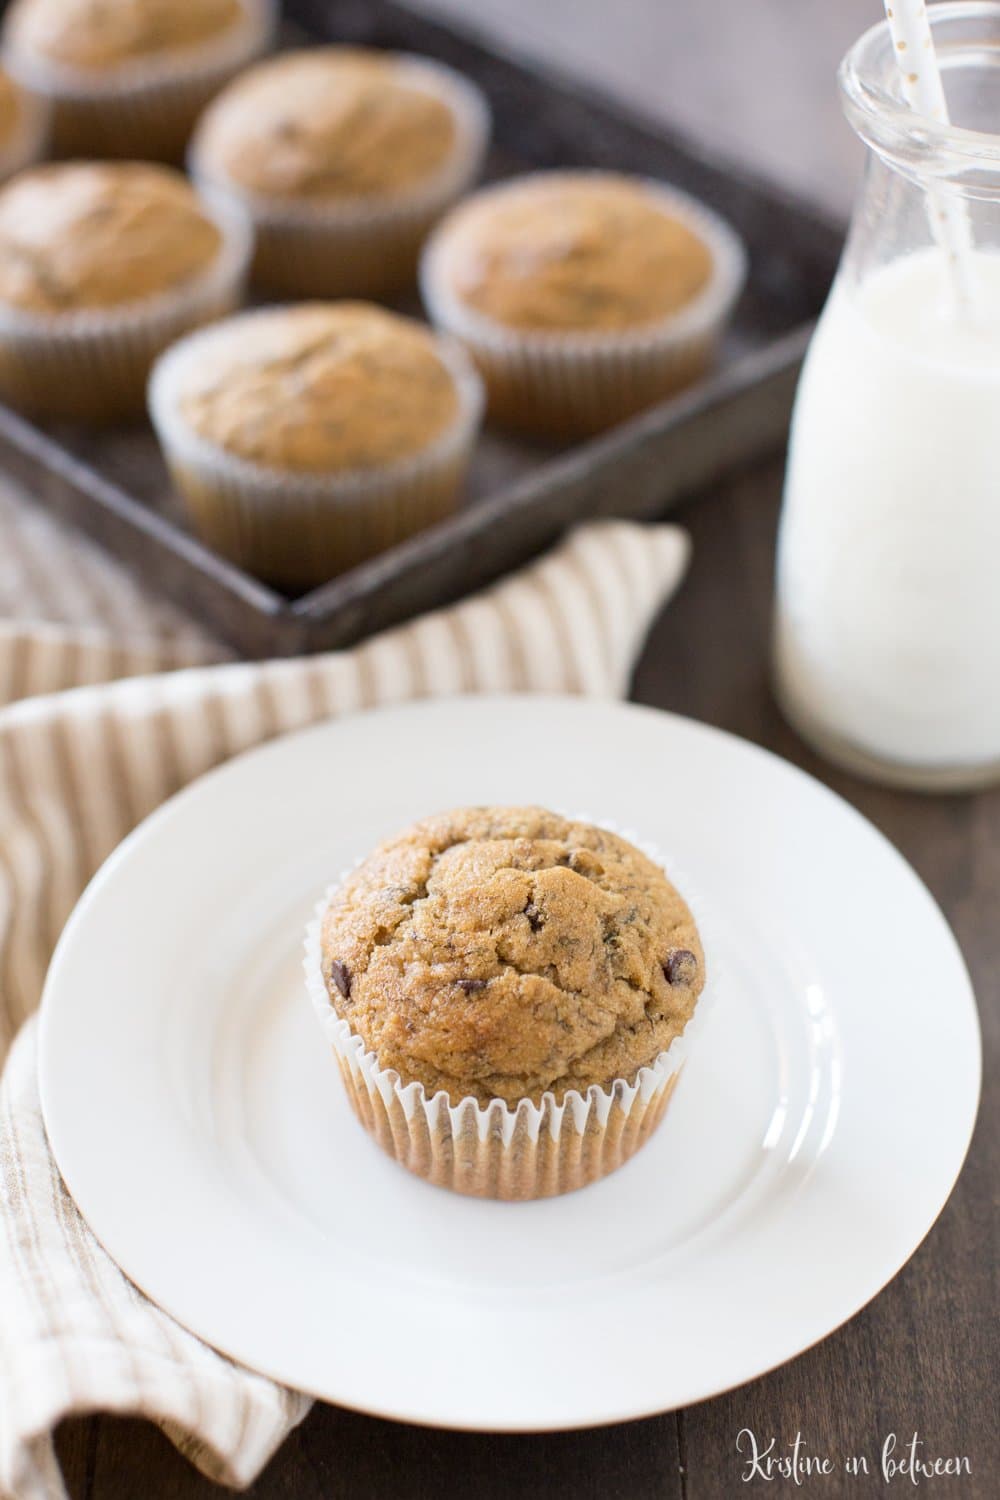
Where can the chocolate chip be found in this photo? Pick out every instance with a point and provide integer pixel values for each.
(680, 965)
(341, 976)
(534, 916)
(471, 986)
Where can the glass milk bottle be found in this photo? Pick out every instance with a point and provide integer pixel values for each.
(887, 620)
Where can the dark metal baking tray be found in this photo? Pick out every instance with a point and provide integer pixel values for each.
(521, 495)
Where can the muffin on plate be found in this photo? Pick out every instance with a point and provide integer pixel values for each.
(23, 127)
(505, 991)
(583, 296)
(344, 158)
(101, 266)
(304, 439)
(128, 78)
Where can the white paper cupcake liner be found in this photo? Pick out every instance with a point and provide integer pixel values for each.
(300, 529)
(91, 364)
(573, 384)
(494, 1151)
(145, 107)
(360, 247)
(29, 139)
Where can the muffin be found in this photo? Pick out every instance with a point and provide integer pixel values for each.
(128, 78)
(304, 439)
(23, 127)
(101, 266)
(344, 159)
(583, 297)
(505, 990)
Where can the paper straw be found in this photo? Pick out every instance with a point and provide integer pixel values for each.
(910, 26)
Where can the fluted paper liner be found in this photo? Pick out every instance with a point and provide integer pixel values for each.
(364, 246)
(300, 529)
(28, 140)
(146, 106)
(575, 383)
(91, 364)
(494, 1151)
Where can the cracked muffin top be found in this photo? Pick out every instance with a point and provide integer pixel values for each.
(500, 952)
(327, 124)
(99, 35)
(566, 252)
(319, 388)
(100, 234)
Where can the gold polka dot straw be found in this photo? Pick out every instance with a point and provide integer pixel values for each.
(910, 26)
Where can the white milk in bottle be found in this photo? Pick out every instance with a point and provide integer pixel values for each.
(887, 616)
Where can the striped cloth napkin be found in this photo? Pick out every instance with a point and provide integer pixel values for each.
(93, 736)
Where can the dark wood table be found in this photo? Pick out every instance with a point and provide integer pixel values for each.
(922, 1357)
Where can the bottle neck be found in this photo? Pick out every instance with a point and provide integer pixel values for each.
(962, 156)
(897, 214)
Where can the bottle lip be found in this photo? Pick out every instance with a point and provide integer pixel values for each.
(873, 100)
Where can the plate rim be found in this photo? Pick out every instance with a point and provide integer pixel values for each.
(485, 702)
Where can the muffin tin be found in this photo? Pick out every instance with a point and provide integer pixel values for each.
(522, 494)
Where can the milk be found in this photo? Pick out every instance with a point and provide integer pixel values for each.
(888, 589)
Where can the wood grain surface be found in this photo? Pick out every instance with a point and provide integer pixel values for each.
(923, 1356)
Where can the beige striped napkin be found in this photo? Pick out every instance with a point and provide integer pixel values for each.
(87, 748)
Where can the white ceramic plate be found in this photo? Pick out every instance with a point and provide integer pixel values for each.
(815, 1135)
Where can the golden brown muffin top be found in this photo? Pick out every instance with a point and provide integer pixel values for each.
(98, 235)
(573, 253)
(99, 35)
(320, 388)
(501, 951)
(326, 124)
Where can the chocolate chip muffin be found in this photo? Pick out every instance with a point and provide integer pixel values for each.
(321, 388)
(510, 959)
(85, 236)
(583, 296)
(329, 123)
(503, 952)
(102, 34)
(101, 265)
(582, 256)
(344, 157)
(306, 438)
(129, 77)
